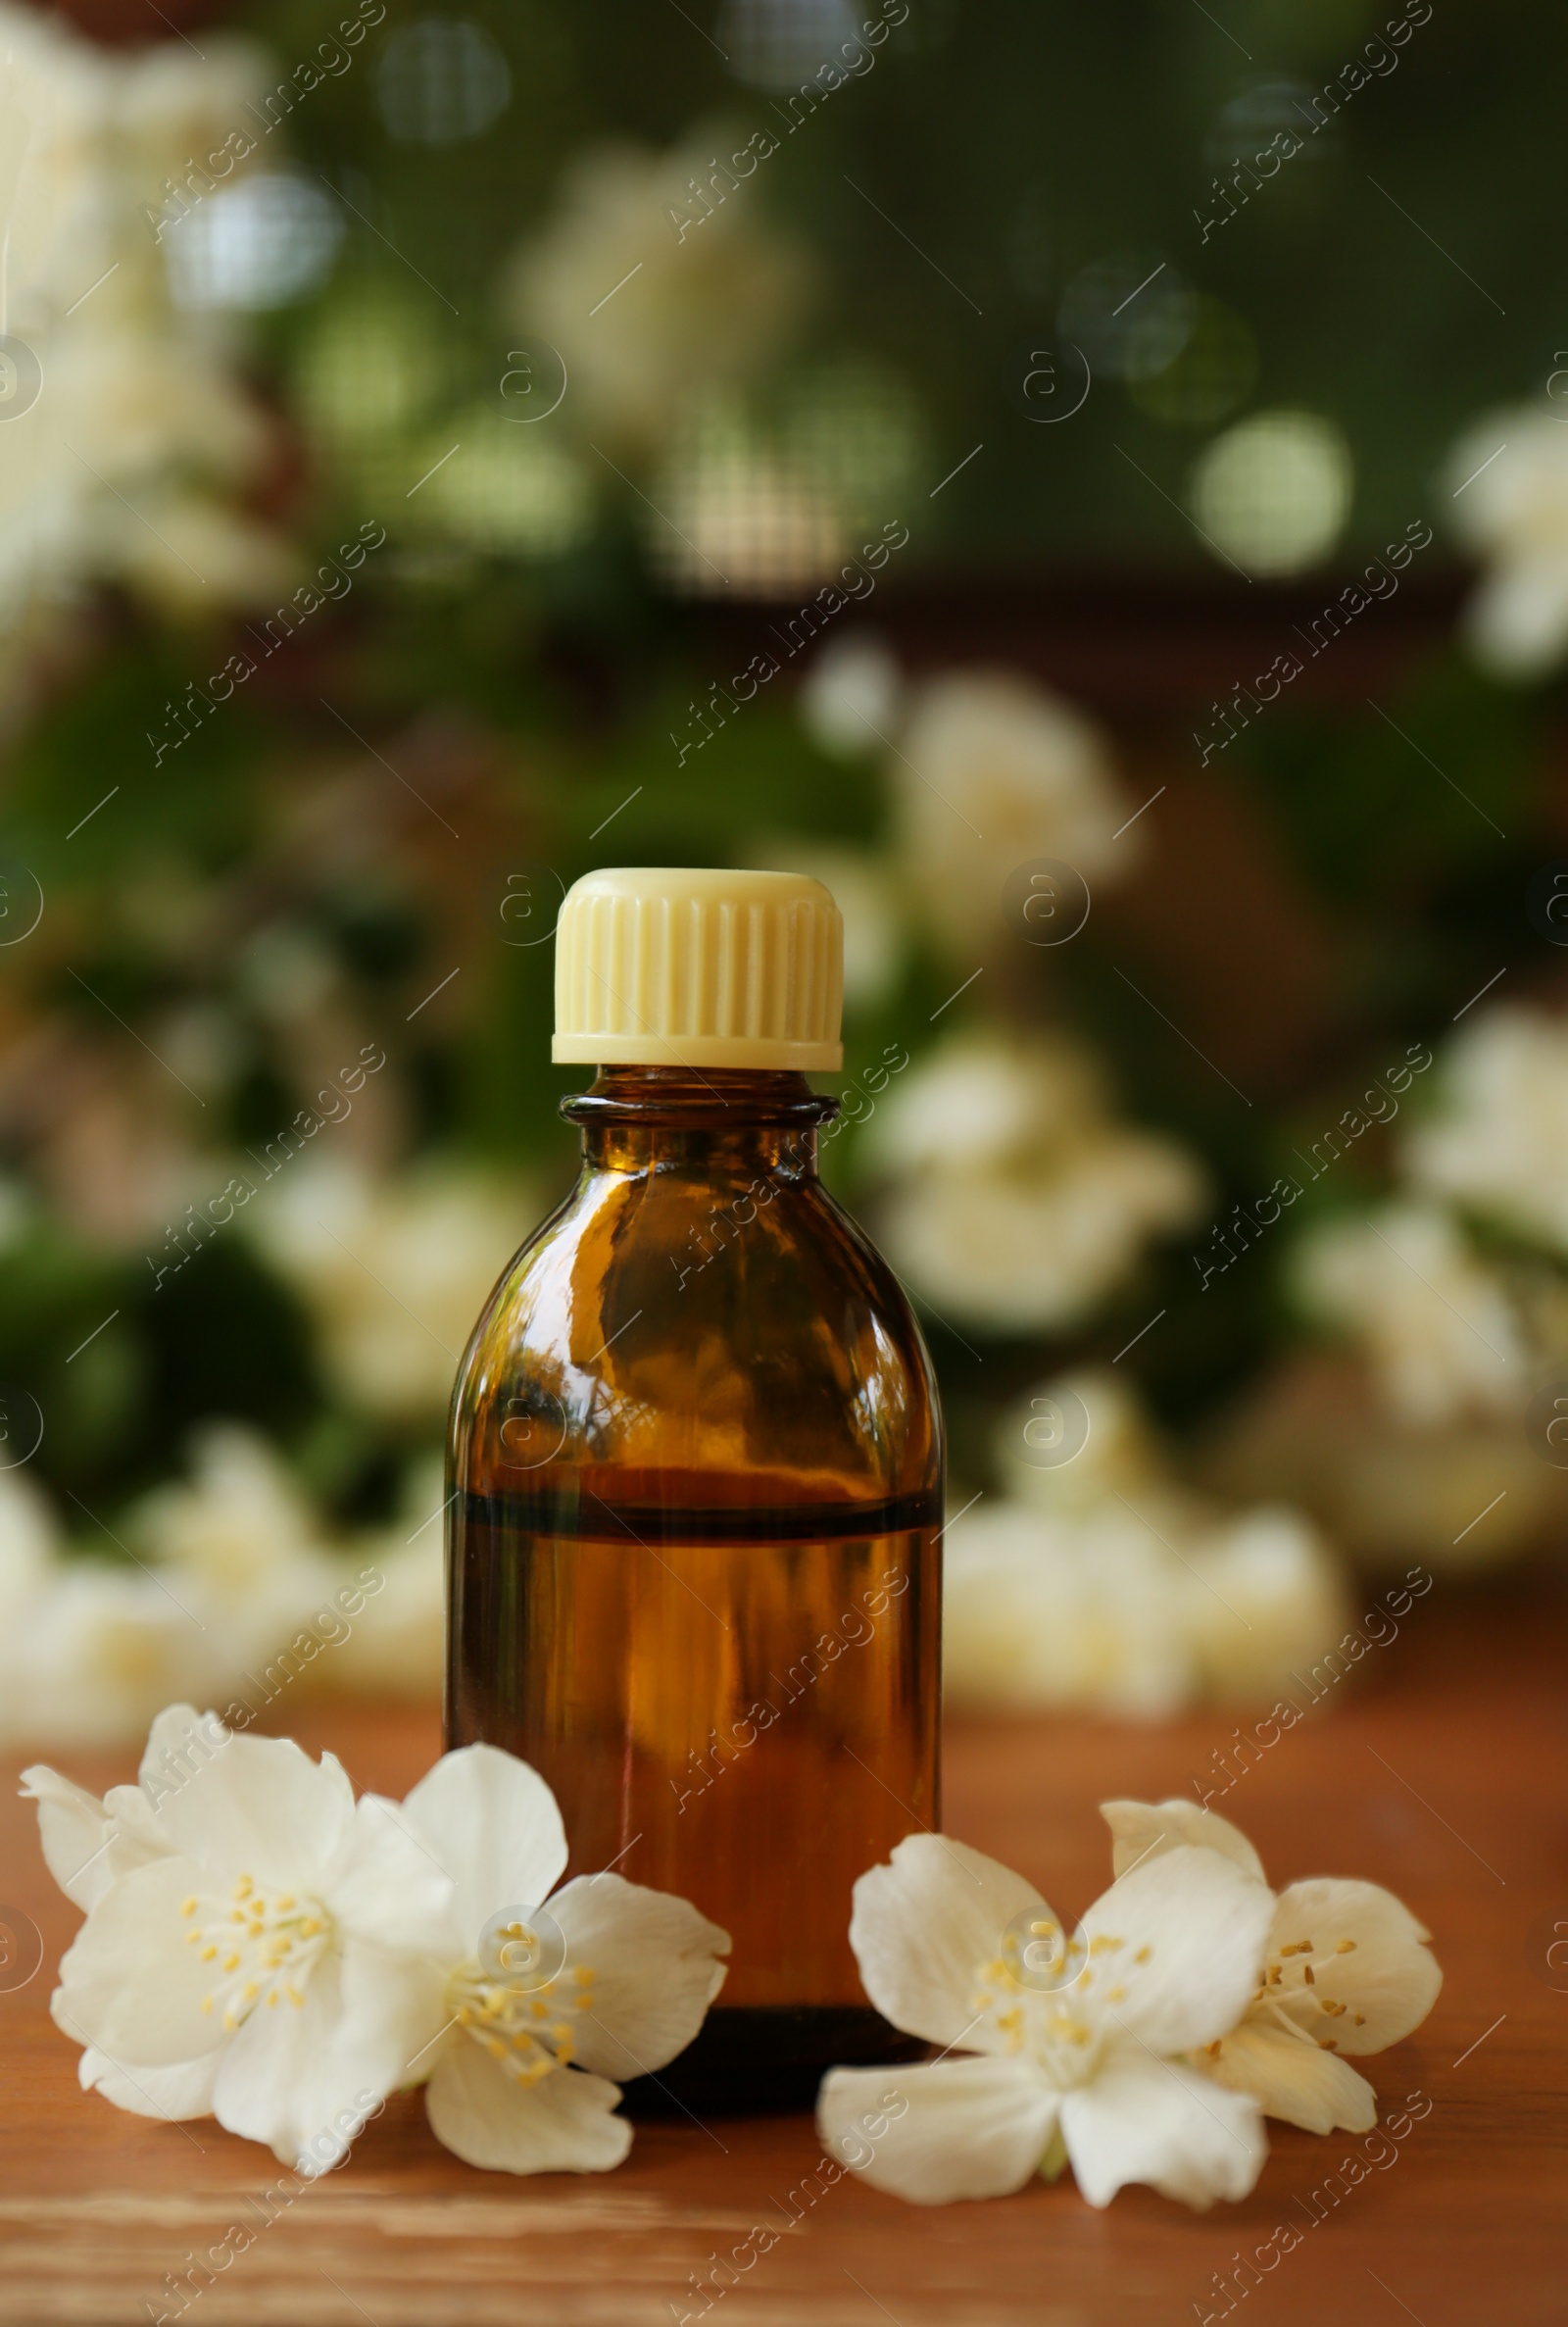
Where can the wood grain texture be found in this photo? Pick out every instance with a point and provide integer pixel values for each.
(1442, 1772)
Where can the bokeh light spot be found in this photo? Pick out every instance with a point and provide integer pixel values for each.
(263, 243)
(1274, 491)
(1130, 314)
(442, 79)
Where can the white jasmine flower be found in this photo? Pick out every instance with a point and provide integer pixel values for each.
(518, 2030)
(86, 1843)
(394, 1272)
(245, 1946)
(1498, 1139)
(642, 313)
(1348, 1970)
(1435, 1322)
(991, 771)
(1162, 1964)
(1509, 484)
(1014, 1198)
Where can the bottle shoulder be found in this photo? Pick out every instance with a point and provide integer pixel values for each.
(667, 1321)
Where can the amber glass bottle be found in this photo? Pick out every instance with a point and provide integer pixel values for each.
(697, 1476)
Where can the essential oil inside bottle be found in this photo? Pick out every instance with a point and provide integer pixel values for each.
(697, 1474)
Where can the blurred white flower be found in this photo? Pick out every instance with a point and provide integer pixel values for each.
(1434, 1321)
(1458, 1495)
(235, 1591)
(29, 1542)
(1266, 1592)
(87, 1648)
(850, 698)
(92, 1652)
(1413, 1439)
(642, 313)
(733, 515)
(394, 1272)
(1083, 1614)
(1014, 1198)
(398, 1644)
(1104, 1584)
(768, 506)
(239, 1546)
(1507, 481)
(1498, 1142)
(989, 773)
(123, 465)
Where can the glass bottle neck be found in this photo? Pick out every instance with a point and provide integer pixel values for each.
(710, 1120)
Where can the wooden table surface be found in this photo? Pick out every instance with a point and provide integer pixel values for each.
(1442, 1773)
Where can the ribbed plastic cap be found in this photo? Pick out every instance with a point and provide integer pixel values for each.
(665, 966)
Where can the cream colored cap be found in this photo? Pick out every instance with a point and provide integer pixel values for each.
(660, 965)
